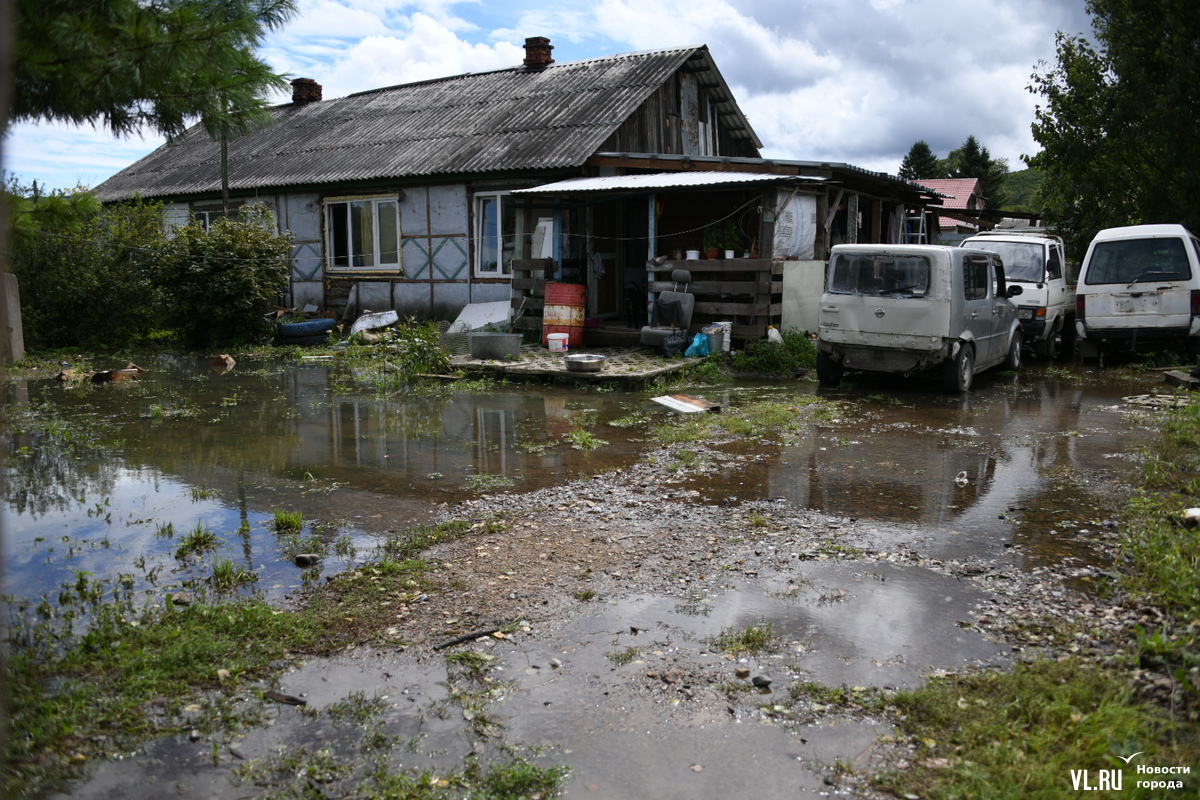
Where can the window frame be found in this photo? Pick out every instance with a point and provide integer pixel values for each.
(346, 238)
(503, 268)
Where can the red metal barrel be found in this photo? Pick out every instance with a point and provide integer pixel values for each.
(563, 312)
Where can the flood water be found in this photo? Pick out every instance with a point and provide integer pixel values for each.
(1024, 466)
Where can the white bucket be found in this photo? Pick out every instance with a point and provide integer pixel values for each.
(693, 255)
(557, 342)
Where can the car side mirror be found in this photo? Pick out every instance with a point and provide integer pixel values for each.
(1013, 291)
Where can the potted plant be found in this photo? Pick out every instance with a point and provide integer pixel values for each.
(720, 236)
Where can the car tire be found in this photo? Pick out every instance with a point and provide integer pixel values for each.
(829, 372)
(1047, 348)
(958, 371)
(1013, 360)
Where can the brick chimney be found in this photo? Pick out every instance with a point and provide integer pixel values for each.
(305, 91)
(537, 52)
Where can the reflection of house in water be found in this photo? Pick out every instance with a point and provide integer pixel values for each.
(413, 440)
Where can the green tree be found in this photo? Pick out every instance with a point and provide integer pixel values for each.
(974, 161)
(224, 280)
(921, 163)
(89, 276)
(1119, 124)
(125, 64)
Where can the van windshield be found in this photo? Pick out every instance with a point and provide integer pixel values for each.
(1133, 260)
(1022, 260)
(880, 274)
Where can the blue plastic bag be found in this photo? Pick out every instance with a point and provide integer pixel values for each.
(698, 348)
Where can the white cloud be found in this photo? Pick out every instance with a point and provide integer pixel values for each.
(856, 81)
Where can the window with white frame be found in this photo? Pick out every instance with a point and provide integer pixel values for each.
(495, 234)
(363, 233)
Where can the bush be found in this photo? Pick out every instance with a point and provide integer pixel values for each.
(87, 277)
(225, 281)
(795, 355)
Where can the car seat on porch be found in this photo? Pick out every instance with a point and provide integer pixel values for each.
(671, 312)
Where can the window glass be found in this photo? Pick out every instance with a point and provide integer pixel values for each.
(495, 235)
(1133, 260)
(1022, 260)
(389, 232)
(880, 274)
(975, 278)
(489, 235)
(363, 234)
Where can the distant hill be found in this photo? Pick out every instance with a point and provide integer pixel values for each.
(1022, 190)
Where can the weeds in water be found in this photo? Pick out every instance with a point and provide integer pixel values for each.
(287, 521)
(488, 483)
(202, 493)
(200, 540)
(754, 640)
(623, 657)
(584, 440)
(228, 576)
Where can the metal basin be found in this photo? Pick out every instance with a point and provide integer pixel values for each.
(584, 362)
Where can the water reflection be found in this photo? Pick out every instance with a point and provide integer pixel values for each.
(187, 446)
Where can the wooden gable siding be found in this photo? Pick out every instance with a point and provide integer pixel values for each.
(668, 122)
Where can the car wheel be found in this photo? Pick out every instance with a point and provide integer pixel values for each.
(1048, 347)
(958, 371)
(829, 372)
(1013, 361)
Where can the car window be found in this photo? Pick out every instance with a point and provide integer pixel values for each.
(1022, 260)
(975, 278)
(1054, 265)
(1133, 260)
(898, 275)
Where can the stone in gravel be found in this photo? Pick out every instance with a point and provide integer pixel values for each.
(742, 672)
(761, 681)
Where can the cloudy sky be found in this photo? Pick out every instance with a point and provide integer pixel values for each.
(855, 81)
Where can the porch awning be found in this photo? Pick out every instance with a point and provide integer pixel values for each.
(663, 180)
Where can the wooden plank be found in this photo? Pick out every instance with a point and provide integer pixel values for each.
(1177, 378)
(715, 287)
(760, 265)
(686, 404)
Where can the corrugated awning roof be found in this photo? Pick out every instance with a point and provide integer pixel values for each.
(661, 180)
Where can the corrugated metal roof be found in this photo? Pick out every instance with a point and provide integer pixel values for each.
(659, 180)
(511, 119)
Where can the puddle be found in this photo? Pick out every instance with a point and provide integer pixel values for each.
(599, 695)
(1038, 463)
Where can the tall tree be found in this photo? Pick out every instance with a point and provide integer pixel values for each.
(974, 161)
(921, 163)
(125, 64)
(1120, 124)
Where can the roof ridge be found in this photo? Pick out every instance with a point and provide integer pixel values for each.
(521, 68)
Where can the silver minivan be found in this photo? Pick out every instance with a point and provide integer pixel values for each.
(908, 308)
(1139, 287)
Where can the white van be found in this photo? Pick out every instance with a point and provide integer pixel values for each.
(1139, 288)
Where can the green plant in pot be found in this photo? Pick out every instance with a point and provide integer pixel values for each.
(721, 236)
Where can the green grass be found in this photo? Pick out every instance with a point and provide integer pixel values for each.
(91, 694)
(287, 521)
(199, 540)
(754, 640)
(1018, 734)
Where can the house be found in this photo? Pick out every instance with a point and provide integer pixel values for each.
(959, 194)
(429, 196)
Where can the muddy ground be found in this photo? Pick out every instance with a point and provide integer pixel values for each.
(611, 590)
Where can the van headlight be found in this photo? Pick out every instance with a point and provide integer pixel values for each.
(1024, 313)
